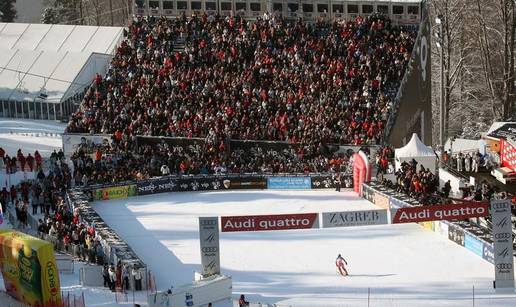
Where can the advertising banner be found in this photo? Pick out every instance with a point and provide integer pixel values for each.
(210, 248)
(473, 244)
(269, 222)
(488, 253)
(381, 200)
(456, 234)
(289, 183)
(29, 269)
(328, 182)
(245, 183)
(440, 212)
(442, 228)
(354, 218)
(117, 192)
(428, 225)
(368, 193)
(503, 248)
(397, 203)
(158, 185)
(200, 184)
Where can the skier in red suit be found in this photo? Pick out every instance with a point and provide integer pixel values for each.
(340, 263)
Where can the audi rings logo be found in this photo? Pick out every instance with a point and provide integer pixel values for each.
(210, 249)
(503, 205)
(503, 235)
(504, 266)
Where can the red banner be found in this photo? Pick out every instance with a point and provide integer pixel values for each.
(440, 212)
(269, 222)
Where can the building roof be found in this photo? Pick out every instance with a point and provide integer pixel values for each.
(47, 59)
(505, 130)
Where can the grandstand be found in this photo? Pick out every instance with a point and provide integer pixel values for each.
(401, 11)
(44, 69)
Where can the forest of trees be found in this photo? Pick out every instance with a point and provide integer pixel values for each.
(478, 41)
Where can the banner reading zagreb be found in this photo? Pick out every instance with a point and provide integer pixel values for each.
(114, 192)
(440, 212)
(29, 269)
(269, 222)
(289, 183)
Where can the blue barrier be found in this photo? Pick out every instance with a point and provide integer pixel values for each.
(473, 244)
(289, 183)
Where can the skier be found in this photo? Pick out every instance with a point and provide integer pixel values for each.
(339, 262)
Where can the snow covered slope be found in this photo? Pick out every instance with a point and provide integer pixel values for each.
(30, 135)
(403, 265)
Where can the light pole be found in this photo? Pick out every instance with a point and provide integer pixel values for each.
(439, 20)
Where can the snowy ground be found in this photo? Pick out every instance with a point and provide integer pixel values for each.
(402, 265)
(30, 135)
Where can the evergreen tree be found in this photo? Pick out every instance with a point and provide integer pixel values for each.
(50, 16)
(7, 10)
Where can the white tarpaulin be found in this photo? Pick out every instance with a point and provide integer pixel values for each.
(415, 149)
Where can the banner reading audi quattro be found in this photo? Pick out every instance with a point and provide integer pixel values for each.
(440, 212)
(269, 222)
(29, 269)
(354, 218)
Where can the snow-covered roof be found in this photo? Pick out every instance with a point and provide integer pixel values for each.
(48, 59)
(414, 148)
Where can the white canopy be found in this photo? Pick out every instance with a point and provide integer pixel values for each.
(55, 60)
(417, 150)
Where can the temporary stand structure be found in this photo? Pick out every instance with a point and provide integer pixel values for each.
(415, 149)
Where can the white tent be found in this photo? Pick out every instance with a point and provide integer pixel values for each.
(44, 69)
(415, 149)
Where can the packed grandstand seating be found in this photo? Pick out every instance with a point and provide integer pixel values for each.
(268, 80)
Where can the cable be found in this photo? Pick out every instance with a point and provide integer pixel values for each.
(41, 76)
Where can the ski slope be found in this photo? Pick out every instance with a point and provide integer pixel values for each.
(401, 265)
(30, 135)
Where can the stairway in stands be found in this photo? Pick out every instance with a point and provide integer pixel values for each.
(179, 44)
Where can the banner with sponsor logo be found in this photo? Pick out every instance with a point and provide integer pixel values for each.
(269, 222)
(354, 218)
(381, 200)
(456, 234)
(397, 203)
(428, 225)
(29, 269)
(328, 182)
(200, 184)
(442, 228)
(116, 192)
(210, 248)
(440, 212)
(157, 185)
(473, 244)
(247, 183)
(488, 253)
(503, 247)
(289, 183)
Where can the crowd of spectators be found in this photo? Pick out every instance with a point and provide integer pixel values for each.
(417, 182)
(106, 163)
(270, 79)
(19, 162)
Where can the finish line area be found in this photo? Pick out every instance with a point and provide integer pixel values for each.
(402, 264)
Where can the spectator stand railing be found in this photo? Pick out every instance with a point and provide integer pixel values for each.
(453, 230)
(115, 249)
(401, 89)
